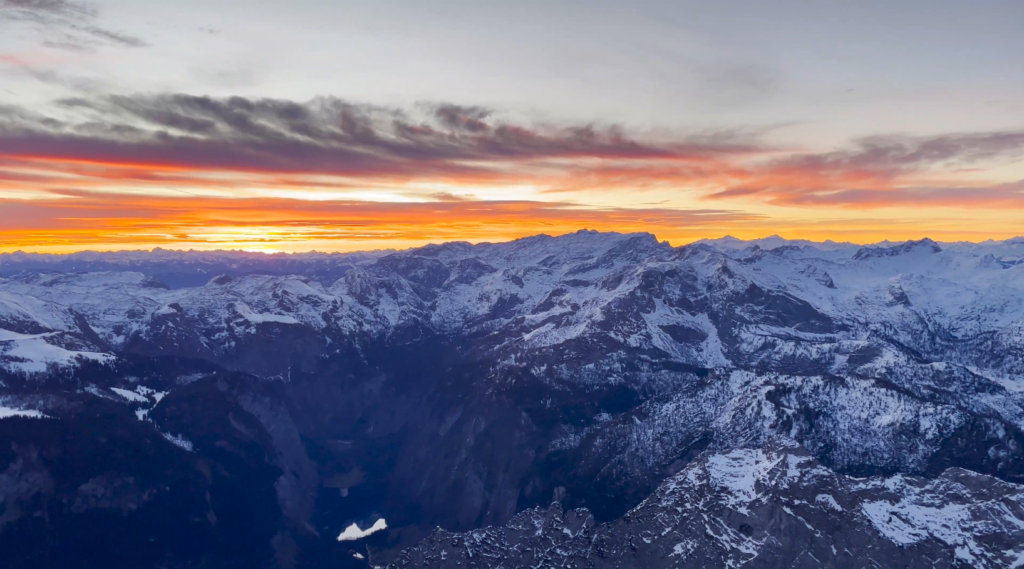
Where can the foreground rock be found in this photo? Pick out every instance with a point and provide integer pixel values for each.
(772, 507)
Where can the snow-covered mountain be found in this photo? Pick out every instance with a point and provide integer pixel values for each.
(627, 291)
(459, 384)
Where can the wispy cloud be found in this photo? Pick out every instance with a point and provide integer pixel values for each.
(220, 142)
(66, 24)
(178, 168)
(324, 136)
(887, 171)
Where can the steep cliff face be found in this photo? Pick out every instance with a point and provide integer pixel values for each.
(459, 385)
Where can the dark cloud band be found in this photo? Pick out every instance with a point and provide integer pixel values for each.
(446, 143)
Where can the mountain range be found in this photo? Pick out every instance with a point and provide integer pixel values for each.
(587, 400)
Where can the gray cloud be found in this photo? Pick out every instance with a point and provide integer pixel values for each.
(66, 80)
(471, 119)
(66, 24)
(325, 135)
(888, 155)
(887, 170)
(65, 8)
(447, 141)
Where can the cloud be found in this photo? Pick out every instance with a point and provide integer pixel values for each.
(887, 171)
(325, 136)
(65, 8)
(470, 119)
(66, 24)
(219, 146)
(49, 76)
(896, 154)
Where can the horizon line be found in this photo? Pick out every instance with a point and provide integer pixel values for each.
(474, 243)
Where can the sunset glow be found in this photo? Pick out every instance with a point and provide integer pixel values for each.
(86, 164)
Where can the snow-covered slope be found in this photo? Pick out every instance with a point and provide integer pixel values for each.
(541, 292)
(591, 367)
(35, 353)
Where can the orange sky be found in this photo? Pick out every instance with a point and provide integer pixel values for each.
(194, 172)
(345, 126)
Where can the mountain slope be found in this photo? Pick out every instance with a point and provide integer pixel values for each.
(771, 507)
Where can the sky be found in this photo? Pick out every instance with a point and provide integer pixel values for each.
(339, 126)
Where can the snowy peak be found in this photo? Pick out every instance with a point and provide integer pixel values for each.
(701, 304)
(774, 242)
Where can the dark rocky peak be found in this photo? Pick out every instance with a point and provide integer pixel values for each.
(699, 251)
(639, 244)
(898, 296)
(426, 272)
(443, 250)
(153, 282)
(752, 255)
(926, 245)
(788, 249)
(468, 270)
(220, 280)
(820, 276)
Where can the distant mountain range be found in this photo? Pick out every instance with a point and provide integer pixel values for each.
(589, 400)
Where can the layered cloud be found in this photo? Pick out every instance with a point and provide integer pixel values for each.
(324, 136)
(889, 171)
(156, 134)
(117, 170)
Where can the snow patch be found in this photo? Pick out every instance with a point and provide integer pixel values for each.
(6, 412)
(828, 501)
(260, 318)
(178, 441)
(353, 532)
(130, 395)
(737, 472)
(7, 335)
